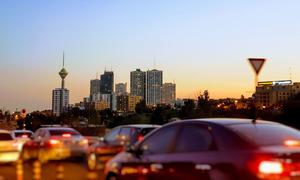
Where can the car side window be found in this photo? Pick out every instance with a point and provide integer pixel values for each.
(161, 142)
(37, 134)
(194, 139)
(125, 133)
(113, 135)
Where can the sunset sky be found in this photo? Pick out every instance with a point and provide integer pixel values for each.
(198, 44)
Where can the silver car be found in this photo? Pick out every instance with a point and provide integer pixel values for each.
(55, 143)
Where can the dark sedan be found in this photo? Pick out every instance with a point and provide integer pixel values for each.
(116, 141)
(212, 149)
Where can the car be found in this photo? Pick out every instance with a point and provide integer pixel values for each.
(9, 147)
(92, 139)
(116, 141)
(22, 136)
(212, 149)
(55, 143)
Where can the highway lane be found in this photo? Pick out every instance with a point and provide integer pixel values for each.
(50, 171)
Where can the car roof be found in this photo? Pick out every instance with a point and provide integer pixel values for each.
(226, 121)
(22, 131)
(141, 125)
(57, 128)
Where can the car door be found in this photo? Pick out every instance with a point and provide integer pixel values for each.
(193, 155)
(153, 151)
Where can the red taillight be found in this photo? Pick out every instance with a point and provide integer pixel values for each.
(24, 136)
(84, 142)
(270, 167)
(292, 143)
(67, 135)
(140, 137)
(53, 142)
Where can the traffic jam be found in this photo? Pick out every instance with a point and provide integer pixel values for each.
(209, 149)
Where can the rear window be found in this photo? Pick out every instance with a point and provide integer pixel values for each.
(145, 131)
(5, 137)
(266, 134)
(60, 132)
(22, 134)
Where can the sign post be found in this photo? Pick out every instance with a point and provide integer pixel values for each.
(257, 64)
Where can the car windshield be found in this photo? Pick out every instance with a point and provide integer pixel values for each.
(266, 134)
(23, 134)
(5, 137)
(61, 132)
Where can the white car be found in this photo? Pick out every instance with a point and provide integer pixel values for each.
(22, 136)
(9, 147)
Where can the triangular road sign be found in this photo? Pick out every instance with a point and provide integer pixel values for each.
(257, 64)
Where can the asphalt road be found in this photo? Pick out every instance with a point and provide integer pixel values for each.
(51, 171)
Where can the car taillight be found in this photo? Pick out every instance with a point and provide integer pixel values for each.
(270, 167)
(53, 142)
(84, 142)
(140, 137)
(292, 143)
(67, 135)
(24, 136)
(275, 169)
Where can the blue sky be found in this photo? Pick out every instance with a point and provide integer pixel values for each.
(198, 44)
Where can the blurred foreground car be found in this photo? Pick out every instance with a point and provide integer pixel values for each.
(116, 141)
(212, 149)
(55, 143)
(9, 148)
(22, 136)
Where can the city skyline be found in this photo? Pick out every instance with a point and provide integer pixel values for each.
(198, 45)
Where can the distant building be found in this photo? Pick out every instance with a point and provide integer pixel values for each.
(137, 83)
(111, 100)
(169, 93)
(56, 100)
(107, 83)
(271, 93)
(95, 86)
(106, 98)
(121, 89)
(132, 102)
(95, 97)
(154, 79)
(122, 103)
(179, 102)
(101, 105)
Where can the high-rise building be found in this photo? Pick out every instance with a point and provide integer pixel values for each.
(137, 83)
(169, 93)
(107, 82)
(60, 96)
(122, 103)
(95, 86)
(121, 89)
(154, 79)
(132, 102)
(56, 100)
